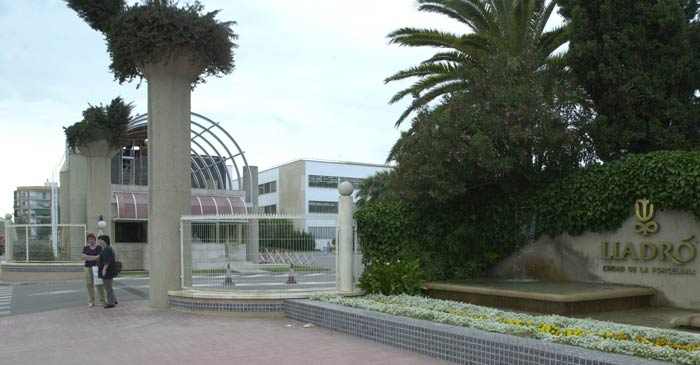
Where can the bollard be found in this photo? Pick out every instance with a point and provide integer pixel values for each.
(228, 280)
(290, 277)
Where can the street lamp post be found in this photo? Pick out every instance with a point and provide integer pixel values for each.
(100, 224)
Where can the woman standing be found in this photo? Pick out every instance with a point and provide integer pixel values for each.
(91, 252)
(107, 269)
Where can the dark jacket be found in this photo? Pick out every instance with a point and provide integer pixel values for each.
(107, 257)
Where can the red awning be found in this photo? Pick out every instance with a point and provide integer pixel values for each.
(131, 206)
(134, 206)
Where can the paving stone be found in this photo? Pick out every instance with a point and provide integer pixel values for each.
(134, 333)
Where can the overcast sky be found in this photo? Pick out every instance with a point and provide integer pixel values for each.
(308, 81)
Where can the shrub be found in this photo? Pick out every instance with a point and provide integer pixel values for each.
(459, 239)
(391, 278)
(280, 234)
(109, 122)
(384, 230)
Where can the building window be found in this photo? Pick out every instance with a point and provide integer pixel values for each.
(355, 181)
(44, 204)
(322, 232)
(321, 181)
(267, 188)
(131, 232)
(323, 207)
(270, 209)
(39, 195)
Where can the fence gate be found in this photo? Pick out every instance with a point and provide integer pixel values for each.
(259, 252)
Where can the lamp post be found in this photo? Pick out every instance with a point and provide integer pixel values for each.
(100, 224)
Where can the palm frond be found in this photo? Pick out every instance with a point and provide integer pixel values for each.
(521, 31)
(550, 41)
(471, 13)
(424, 84)
(396, 148)
(451, 57)
(433, 94)
(512, 30)
(475, 44)
(543, 16)
(503, 13)
(415, 37)
(421, 71)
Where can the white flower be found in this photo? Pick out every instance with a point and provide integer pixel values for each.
(588, 333)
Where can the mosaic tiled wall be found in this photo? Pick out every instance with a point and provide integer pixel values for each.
(456, 344)
(225, 307)
(8, 268)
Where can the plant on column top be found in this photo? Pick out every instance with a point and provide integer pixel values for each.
(156, 30)
(109, 122)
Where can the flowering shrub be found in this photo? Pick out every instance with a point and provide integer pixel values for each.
(659, 344)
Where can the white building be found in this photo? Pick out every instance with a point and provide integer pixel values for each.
(310, 186)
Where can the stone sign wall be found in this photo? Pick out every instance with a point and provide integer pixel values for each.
(656, 249)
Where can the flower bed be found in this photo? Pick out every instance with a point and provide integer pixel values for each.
(658, 344)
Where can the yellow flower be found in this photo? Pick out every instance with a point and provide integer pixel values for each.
(661, 342)
(642, 339)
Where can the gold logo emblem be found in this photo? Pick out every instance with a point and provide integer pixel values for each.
(644, 211)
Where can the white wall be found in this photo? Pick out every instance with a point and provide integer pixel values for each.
(336, 169)
(265, 177)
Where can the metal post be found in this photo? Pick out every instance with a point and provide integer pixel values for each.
(182, 258)
(101, 224)
(26, 242)
(9, 242)
(54, 218)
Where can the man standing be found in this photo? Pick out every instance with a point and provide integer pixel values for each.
(90, 254)
(107, 269)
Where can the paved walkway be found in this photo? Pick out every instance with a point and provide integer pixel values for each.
(134, 333)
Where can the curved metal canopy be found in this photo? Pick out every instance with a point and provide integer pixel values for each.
(215, 154)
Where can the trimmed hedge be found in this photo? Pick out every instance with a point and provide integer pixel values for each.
(601, 197)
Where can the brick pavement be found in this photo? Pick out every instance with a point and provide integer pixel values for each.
(133, 333)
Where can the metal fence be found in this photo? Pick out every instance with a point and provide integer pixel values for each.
(39, 242)
(261, 252)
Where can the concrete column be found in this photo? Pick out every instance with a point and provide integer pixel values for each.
(169, 169)
(250, 181)
(9, 242)
(251, 197)
(78, 182)
(345, 244)
(99, 187)
(64, 197)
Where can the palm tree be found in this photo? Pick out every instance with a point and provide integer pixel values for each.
(376, 188)
(510, 29)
